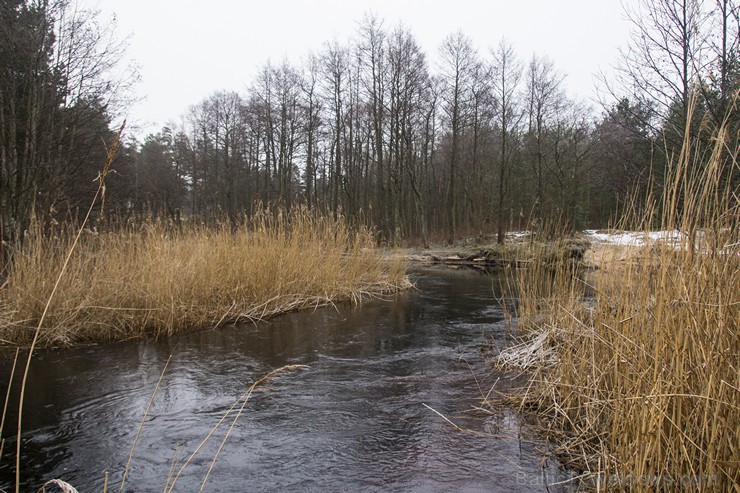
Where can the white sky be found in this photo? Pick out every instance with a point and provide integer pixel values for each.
(187, 49)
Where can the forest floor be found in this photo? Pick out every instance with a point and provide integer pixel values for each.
(485, 252)
(595, 249)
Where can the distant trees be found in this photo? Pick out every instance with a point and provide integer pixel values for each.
(544, 100)
(459, 67)
(335, 60)
(680, 47)
(310, 106)
(664, 56)
(623, 156)
(506, 75)
(409, 93)
(680, 51)
(369, 130)
(372, 54)
(159, 184)
(366, 128)
(56, 96)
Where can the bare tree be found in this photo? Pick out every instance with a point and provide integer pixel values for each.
(544, 100)
(407, 86)
(372, 48)
(723, 77)
(572, 142)
(661, 64)
(478, 140)
(507, 70)
(459, 61)
(336, 65)
(311, 108)
(285, 132)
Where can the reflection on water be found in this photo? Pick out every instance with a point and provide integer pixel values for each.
(353, 420)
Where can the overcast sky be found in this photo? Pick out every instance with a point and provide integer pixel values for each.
(187, 49)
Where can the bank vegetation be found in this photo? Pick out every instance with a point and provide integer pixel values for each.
(156, 279)
(636, 369)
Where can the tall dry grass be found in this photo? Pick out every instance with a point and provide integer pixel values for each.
(640, 381)
(157, 280)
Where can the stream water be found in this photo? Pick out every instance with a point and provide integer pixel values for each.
(355, 419)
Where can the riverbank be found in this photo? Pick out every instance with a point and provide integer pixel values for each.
(156, 280)
(484, 253)
(634, 372)
(638, 382)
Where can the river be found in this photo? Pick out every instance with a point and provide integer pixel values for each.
(354, 419)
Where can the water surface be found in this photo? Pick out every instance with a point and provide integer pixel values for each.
(354, 420)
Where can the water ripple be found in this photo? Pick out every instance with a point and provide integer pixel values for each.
(354, 420)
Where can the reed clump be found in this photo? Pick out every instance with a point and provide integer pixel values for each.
(636, 370)
(156, 279)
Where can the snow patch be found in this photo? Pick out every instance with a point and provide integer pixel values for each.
(638, 238)
(518, 234)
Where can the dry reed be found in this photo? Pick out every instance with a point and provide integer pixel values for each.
(639, 382)
(158, 280)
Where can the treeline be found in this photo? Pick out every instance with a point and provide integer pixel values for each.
(58, 93)
(477, 140)
(372, 129)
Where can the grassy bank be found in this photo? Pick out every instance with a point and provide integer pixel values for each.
(156, 280)
(639, 384)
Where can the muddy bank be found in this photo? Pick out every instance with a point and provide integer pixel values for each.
(518, 250)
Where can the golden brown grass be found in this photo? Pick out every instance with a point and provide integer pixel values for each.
(640, 383)
(158, 280)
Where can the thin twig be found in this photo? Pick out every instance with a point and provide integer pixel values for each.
(141, 425)
(7, 399)
(98, 193)
(265, 378)
(443, 417)
(223, 418)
